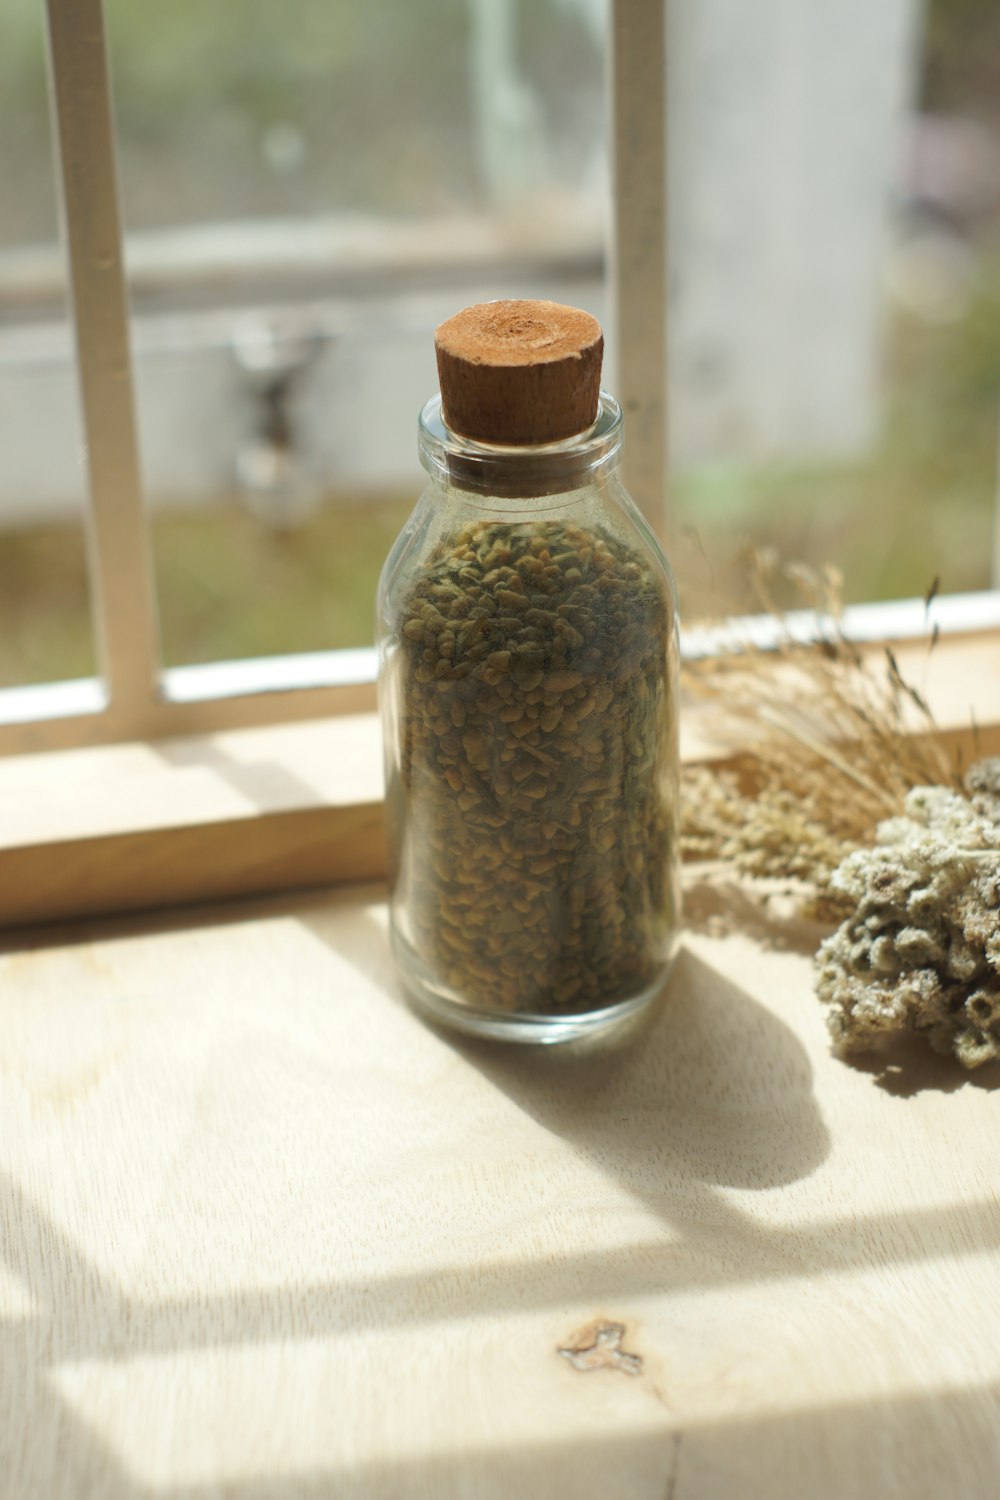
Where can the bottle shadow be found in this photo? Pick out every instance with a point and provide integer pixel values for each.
(707, 1083)
(709, 1088)
(706, 1087)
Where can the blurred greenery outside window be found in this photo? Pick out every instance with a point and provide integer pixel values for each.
(308, 188)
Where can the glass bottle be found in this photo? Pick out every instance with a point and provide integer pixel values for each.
(528, 689)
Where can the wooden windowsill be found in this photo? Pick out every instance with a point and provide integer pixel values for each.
(164, 823)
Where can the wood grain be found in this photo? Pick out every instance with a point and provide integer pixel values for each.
(263, 1233)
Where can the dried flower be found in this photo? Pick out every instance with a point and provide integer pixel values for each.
(777, 833)
(838, 741)
(920, 950)
(832, 745)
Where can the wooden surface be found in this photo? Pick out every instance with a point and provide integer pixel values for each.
(263, 1233)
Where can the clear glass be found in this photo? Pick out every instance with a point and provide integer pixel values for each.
(527, 633)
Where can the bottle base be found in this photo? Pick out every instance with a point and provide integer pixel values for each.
(539, 1028)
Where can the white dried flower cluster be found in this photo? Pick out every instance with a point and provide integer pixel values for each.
(921, 949)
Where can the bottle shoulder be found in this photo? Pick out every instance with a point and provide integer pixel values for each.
(592, 540)
(407, 552)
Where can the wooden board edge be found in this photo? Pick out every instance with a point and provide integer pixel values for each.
(167, 867)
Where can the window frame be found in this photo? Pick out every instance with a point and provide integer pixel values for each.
(134, 697)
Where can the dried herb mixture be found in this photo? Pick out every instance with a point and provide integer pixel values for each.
(535, 736)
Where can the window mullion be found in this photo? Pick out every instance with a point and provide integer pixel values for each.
(639, 244)
(121, 571)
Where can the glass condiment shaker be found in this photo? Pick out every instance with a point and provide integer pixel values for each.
(528, 689)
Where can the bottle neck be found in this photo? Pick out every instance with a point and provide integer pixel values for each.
(521, 473)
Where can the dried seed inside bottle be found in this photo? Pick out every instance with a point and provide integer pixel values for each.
(539, 763)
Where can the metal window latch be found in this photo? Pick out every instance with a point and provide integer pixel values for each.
(275, 478)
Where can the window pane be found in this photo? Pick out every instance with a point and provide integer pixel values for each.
(327, 106)
(309, 189)
(45, 628)
(836, 222)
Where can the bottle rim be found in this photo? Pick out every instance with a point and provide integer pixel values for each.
(525, 470)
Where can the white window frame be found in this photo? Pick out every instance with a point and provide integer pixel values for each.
(135, 697)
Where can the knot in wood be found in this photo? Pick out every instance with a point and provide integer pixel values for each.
(604, 1350)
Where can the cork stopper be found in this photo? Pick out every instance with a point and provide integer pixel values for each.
(519, 372)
